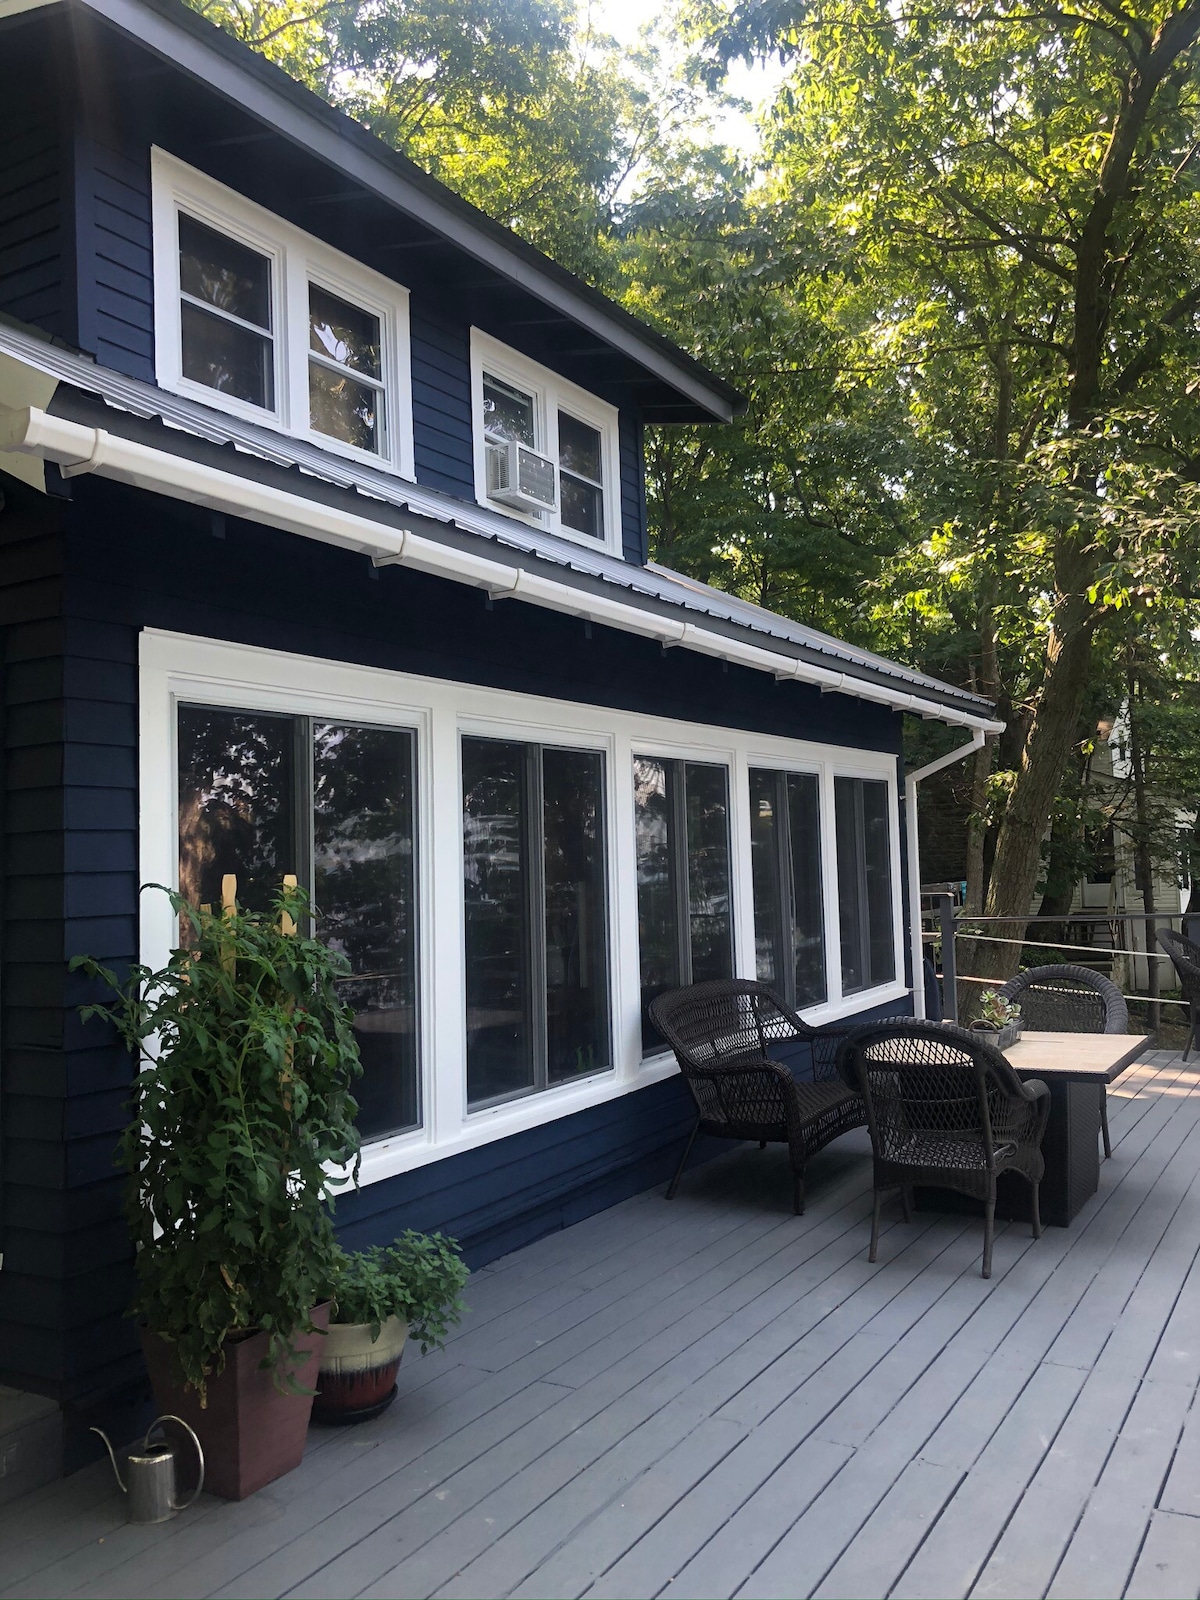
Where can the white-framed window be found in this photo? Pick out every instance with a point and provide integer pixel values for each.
(545, 450)
(787, 871)
(484, 857)
(260, 319)
(684, 876)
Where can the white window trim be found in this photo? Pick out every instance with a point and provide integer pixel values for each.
(178, 667)
(550, 394)
(296, 257)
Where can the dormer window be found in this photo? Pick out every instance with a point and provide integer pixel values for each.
(546, 450)
(345, 371)
(225, 315)
(258, 318)
(581, 475)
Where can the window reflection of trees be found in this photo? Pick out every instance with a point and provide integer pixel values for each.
(685, 925)
(236, 813)
(244, 791)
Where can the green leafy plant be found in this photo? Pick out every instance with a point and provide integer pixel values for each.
(997, 1012)
(242, 1104)
(419, 1278)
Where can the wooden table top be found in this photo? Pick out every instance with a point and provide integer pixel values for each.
(1077, 1057)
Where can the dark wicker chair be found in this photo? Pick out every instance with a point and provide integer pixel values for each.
(945, 1110)
(722, 1034)
(1185, 958)
(1069, 999)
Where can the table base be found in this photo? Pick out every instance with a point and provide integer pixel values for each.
(1072, 1155)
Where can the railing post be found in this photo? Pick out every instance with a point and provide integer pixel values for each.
(948, 925)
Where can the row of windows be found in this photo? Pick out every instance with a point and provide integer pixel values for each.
(264, 320)
(261, 795)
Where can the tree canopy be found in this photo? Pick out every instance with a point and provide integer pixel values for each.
(958, 282)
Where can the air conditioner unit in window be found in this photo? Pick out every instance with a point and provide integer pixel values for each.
(517, 476)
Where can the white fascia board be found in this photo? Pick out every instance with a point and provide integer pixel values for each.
(78, 449)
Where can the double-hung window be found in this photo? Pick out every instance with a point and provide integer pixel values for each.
(259, 318)
(262, 795)
(785, 863)
(685, 921)
(226, 315)
(535, 917)
(545, 449)
(864, 867)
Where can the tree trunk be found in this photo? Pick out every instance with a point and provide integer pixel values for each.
(1018, 849)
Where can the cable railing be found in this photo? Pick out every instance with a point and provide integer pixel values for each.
(944, 924)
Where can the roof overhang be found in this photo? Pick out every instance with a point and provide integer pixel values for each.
(679, 387)
(423, 545)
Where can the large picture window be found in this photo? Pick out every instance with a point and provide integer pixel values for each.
(262, 795)
(785, 860)
(536, 932)
(685, 922)
(864, 855)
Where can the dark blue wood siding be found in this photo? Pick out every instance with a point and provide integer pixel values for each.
(69, 884)
(115, 259)
(34, 282)
(633, 491)
(443, 452)
(80, 581)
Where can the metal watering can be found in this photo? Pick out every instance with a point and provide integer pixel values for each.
(151, 1469)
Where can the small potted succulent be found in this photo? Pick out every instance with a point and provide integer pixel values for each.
(381, 1297)
(999, 1019)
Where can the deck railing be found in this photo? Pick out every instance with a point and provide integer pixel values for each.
(946, 929)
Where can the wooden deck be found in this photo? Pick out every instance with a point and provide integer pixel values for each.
(714, 1398)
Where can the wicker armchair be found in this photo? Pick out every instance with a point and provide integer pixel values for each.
(1069, 999)
(1185, 958)
(945, 1110)
(722, 1033)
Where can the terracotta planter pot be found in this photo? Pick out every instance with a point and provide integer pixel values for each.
(357, 1380)
(251, 1433)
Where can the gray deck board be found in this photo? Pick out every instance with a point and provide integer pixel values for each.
(715, 1398)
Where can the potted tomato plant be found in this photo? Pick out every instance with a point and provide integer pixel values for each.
(242, 1106)
(381, 1298)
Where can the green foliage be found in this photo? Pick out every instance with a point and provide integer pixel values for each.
(242, 1102)
(996, 1011)
(957, 284)
(419, 1278)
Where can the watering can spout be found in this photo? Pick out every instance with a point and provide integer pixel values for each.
(111, 1456)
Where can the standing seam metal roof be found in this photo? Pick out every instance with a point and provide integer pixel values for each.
(652, 583)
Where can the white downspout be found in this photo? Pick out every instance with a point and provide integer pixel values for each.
(911, 780)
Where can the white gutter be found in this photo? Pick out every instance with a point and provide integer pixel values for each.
(78, 449)
(911, 780)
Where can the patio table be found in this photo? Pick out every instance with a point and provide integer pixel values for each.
(1075, 1067)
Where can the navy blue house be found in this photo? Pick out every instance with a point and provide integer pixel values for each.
(324, 551)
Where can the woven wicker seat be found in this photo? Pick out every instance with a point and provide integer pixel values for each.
(722, 1034)
(1185, 958)
(1070, 999)
(947, 1111)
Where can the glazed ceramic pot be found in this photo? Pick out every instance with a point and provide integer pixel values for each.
(357, 1379)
